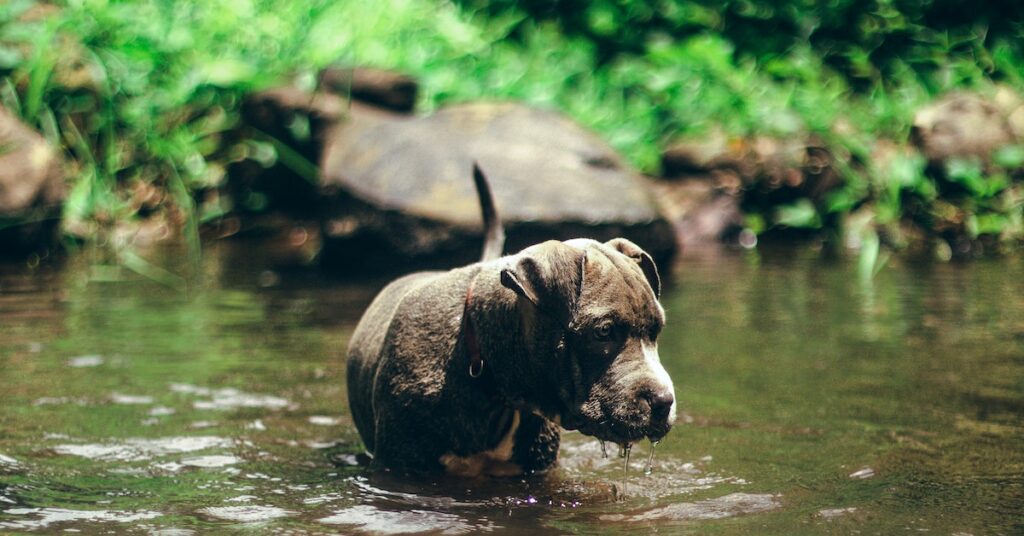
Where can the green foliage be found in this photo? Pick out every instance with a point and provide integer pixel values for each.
(791, 68)
(145, 91)
(867, 42)
(801, 214)
(149, 91)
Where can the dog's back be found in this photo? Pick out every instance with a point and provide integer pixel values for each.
(365, 348)
(371, 334)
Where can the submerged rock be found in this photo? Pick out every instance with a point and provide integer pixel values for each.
(401, 189)
(31, 188)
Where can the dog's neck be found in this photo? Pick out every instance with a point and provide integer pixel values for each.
(511, 358)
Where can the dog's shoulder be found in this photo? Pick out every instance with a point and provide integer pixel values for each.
(425, 301)
(369, 333)
(416, 339)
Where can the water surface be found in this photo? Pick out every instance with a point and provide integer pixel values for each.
(812, 402)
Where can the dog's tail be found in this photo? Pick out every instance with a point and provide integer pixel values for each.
(494, 234)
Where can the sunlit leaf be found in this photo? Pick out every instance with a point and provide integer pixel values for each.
(802, 214)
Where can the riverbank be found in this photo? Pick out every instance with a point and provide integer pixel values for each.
(143, 105)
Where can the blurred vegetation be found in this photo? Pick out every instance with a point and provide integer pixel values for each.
(144, 95)
(864, 41)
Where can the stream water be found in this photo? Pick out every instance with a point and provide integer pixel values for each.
(811, 402)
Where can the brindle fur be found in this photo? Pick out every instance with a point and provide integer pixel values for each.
(538, 318)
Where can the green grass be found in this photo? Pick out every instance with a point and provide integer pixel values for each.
(150, 90)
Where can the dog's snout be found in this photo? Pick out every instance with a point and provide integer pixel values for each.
(661, 402)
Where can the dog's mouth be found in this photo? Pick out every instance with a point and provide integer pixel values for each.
(619, 431)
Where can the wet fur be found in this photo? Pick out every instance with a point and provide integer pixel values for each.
(416, 405)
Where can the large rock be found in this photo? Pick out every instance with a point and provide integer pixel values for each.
(31, 188)
(401, 188)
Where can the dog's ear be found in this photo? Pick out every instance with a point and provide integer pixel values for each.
(522, 284)
(549, 275)
(642, 258)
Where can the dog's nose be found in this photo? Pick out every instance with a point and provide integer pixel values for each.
(661, 404)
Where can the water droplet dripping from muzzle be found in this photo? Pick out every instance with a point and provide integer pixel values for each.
(624, 450)
(650, 460)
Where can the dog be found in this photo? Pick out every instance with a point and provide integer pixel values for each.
(474, 371)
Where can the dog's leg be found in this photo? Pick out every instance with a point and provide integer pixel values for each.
(409, 442)
(537, 443)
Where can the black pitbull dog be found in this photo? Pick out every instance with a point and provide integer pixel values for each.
(474, 370)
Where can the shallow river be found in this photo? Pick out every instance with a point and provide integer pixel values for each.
(811, 402)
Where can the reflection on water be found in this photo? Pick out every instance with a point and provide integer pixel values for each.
(367, 518)
(810, 400)
(246, 514)
(133, 450)
(42, 518)
(730, 505)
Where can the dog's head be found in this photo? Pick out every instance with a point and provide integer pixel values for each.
(591, 319)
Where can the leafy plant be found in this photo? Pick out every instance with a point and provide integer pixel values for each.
(149, 91)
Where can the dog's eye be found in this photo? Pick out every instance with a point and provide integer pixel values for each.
(603, 330)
